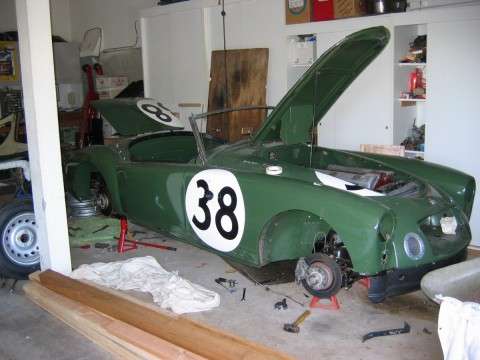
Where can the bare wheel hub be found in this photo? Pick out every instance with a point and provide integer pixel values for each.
(319, 276)
(102, 200)
(20, 240)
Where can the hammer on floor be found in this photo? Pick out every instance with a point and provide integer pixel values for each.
(294, 327)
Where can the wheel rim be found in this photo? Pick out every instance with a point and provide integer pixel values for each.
(319, 276)
(102, 201)
(20, 240)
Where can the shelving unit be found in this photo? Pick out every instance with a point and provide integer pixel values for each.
(407, 111)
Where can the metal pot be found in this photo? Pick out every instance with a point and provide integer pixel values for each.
(380, 7)
(399, 5)
(375, 7)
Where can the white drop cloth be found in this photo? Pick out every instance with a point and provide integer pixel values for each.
(459, 329)
(145, 274)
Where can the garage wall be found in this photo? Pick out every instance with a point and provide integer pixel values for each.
(115, 17)
(454, 106)
(8, 20)
(254, 24)
(59, 9)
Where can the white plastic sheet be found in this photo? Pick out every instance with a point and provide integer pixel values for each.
(145, 274)
(459, 329)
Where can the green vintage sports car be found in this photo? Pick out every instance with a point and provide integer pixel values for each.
(340, 215)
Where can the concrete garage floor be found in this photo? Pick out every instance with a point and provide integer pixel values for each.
(29, 332)
(26, 331)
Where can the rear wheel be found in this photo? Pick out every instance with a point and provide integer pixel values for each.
(102, 197)
(19, 248)
(323, 276)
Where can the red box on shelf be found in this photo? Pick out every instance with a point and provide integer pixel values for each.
(322, 10)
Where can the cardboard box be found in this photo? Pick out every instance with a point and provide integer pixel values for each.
(298, 11)
(108, 82)
(349, 8)
(322, 10)
(110, 93)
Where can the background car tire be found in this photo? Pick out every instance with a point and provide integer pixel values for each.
(331, 272)
(19, 249)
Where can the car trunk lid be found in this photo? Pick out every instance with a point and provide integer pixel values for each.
(134, 116)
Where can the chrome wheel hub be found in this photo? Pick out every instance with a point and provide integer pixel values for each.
(20, 240)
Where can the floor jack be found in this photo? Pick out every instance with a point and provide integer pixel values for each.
(126, 243)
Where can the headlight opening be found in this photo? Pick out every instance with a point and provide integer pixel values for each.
(414, 246)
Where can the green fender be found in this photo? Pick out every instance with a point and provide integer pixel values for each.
(99, 159)
(290, 235)
(296, 218)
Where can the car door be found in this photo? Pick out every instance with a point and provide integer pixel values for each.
(153, 194)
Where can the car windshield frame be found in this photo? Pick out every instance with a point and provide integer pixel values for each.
(198, 135)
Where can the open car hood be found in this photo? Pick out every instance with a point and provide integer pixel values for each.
(321, 85)
(133, 116)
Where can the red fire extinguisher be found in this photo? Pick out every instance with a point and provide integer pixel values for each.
(415, 80)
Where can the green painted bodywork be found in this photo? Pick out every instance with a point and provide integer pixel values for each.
(126, 118)
(147, 177)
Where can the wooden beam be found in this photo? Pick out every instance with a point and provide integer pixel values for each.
(40, 103)
(195, 337)
(116, 337)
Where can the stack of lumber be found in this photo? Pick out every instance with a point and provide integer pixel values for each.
(132, 329)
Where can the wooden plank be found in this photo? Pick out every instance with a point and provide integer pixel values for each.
(396, 150)
(195, 337)
(247, 80)
(70, 313)
(118, 338)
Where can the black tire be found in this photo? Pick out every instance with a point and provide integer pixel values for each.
(19, 249)
(334, 278)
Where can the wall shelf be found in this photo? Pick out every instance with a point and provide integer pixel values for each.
(414, 154)
(411, 100)
(412, 64)
(301, 65)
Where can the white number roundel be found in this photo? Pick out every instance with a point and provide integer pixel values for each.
(215, 209)
(159, 113)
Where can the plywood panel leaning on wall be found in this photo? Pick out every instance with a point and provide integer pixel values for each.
(244, 85)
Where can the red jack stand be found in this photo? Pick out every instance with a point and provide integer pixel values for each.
(333, 305)
(365, 282)
(126, 244)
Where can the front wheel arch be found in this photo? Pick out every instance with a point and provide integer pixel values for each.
(290, 235)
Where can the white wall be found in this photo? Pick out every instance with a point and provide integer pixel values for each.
(60, 18)
(8, 20)
(70, 18)
(177, 46)
(255, 24)
(115, 17)
(60, 15)
(175, 58)
(453, 118)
